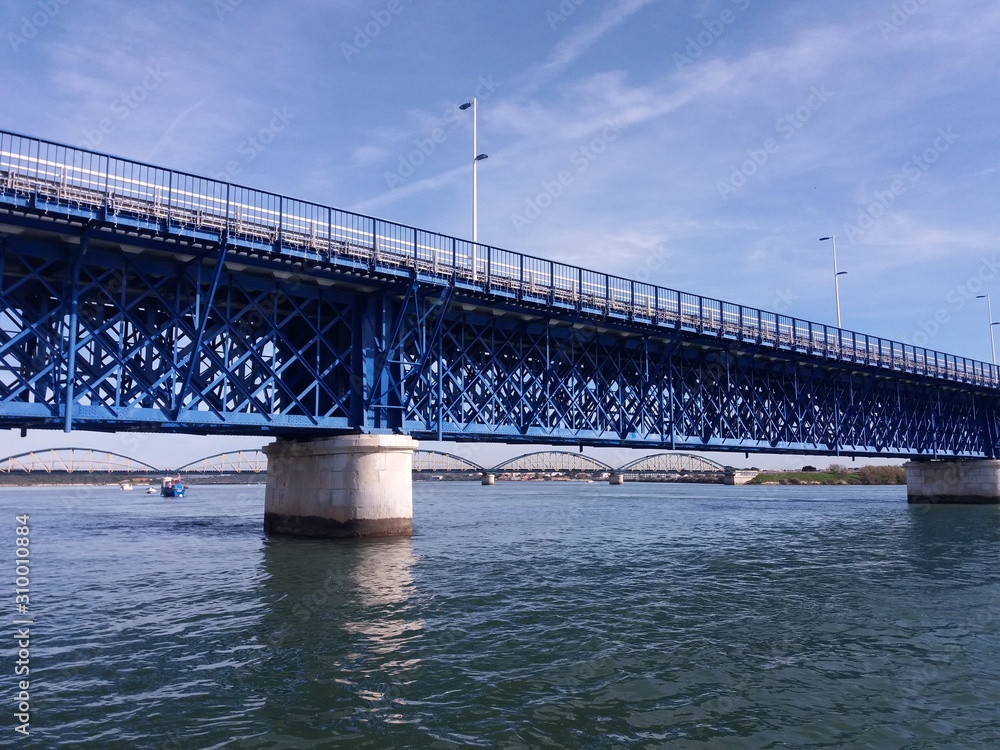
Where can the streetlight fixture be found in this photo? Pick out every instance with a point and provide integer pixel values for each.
(989, 312)
(476, 158)
(836, 274)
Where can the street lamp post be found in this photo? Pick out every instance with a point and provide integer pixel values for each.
(476, 158)
(989, 312)
(836, 274)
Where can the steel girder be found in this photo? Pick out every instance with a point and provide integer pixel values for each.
(138, 297)
(521, 378)
(168, 343)
(195, 337)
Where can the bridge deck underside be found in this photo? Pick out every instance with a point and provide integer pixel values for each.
(138, 333)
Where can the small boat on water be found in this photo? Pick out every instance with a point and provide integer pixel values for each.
(172, 487)
(126, 486)
(151, 491)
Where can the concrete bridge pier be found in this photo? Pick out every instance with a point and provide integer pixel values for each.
(974, 481)
(350, 486)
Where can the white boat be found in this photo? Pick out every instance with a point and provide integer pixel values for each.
(126, 486)
(151, 491)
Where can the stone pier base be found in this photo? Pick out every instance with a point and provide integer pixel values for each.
(739, 476)
(356, 485)
(974, 481)
(489, 479)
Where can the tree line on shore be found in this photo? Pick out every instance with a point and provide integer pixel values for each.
(835, 474)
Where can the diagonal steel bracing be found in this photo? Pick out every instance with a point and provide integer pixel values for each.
(134, 297)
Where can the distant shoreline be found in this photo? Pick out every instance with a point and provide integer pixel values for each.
(110, 479)
(885, 476)
(867, 476)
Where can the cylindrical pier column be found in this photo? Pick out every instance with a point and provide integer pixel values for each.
(975, 481)
(489, 479)
(617, 478)
(356, 485)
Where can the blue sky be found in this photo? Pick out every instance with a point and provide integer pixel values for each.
(705, 146)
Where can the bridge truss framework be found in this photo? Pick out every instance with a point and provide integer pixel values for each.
(137, 297)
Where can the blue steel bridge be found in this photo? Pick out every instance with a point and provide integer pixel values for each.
(136, 297)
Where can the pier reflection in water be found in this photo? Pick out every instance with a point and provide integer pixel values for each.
(335, 614)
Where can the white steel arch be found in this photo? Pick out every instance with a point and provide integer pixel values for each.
(552, 461)
(231, 462)
(73, 460)
(427, 460)
(662, 463)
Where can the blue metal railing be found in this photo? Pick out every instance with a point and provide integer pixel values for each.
(56, 177)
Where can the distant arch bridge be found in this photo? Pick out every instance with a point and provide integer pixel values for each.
(89, 460)
(73, 461)
(233, 462)
(92, 461)
(567, 462)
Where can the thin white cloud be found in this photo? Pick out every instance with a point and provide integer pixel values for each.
(578, 42)
(407, 191)
(172, 128)
(368, 154)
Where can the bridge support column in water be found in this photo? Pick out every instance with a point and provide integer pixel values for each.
(971, 481)
(350, 486)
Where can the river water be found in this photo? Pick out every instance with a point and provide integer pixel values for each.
(524, 615)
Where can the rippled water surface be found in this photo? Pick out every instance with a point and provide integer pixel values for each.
(520, 615)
